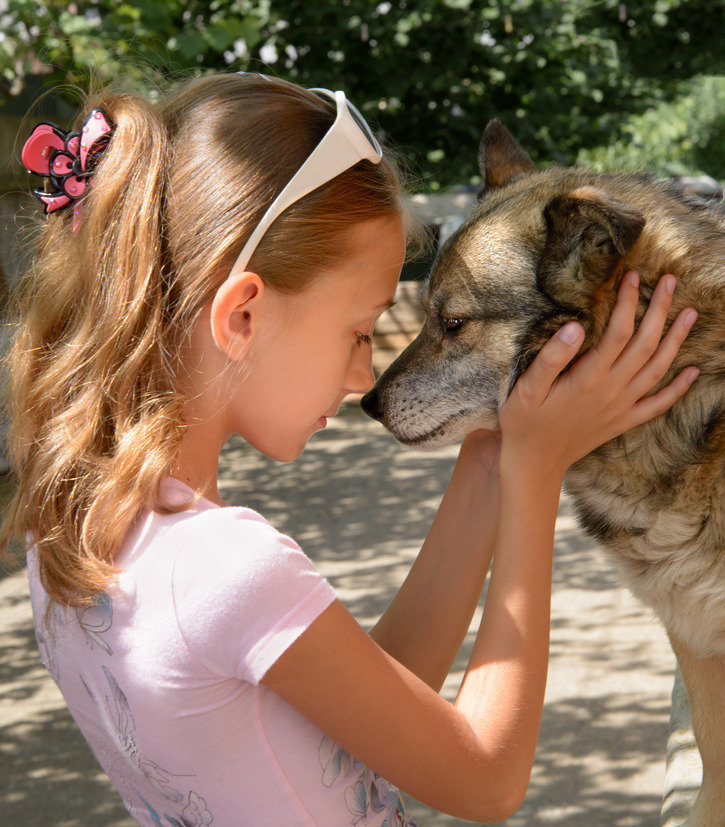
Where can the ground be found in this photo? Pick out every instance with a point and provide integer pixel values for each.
(359, 504)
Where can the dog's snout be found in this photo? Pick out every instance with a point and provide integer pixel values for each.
(372, 404)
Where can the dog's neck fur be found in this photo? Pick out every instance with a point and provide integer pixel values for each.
(670, 244)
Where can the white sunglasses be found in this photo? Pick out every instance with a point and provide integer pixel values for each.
(346, 142)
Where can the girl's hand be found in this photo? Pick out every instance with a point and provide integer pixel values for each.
(554, 420)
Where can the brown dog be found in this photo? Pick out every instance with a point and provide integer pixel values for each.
(548, 246)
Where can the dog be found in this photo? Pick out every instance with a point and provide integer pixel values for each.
(544, 247)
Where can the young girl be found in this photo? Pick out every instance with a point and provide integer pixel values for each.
(214, 264)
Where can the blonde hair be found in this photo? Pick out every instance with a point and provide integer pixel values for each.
(95, 405)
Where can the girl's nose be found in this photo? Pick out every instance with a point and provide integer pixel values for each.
(360, 377)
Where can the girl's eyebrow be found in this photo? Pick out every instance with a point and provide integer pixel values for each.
(385, 305)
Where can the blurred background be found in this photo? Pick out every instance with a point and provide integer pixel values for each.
(600, 82)
(609, 84)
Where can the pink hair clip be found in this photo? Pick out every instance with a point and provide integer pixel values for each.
(66, 160)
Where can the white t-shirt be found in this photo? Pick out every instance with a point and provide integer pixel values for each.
(162, 677)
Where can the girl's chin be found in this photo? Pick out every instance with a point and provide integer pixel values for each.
(289, 446)
(284, 450)
(287, 453)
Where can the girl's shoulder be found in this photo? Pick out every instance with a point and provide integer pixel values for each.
(241, 590)
(232, 539)
(204, 542)
(205, 519)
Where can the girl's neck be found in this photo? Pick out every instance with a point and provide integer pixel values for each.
(197, 462)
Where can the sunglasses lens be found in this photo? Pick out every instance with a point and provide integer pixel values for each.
(356, 116)
(361, 122)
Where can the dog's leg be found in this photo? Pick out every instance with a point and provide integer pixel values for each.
(705, 682)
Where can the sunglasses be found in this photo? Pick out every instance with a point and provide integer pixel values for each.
(346, 142)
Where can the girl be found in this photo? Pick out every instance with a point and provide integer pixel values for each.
(223, 275)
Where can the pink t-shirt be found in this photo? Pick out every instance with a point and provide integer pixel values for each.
(162, 677)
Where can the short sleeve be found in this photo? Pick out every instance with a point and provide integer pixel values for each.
(243, 593)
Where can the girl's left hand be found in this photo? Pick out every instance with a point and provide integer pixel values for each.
(552, 419)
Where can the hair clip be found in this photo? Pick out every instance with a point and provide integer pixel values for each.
(66, 160)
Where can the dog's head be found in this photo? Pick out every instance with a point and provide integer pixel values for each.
(542, 248)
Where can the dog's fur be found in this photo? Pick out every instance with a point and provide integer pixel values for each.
(546, 247)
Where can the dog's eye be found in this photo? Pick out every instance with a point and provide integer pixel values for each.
(453, 324)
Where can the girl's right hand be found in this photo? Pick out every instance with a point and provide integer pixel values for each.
(552, 421)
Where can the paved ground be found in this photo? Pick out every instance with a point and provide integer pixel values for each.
(360, 505)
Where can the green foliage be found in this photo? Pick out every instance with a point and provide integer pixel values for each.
(565, 77)
(678, 137)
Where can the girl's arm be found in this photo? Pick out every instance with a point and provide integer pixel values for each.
(472, 759)
(423, 628)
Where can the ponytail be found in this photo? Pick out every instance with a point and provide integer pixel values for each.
(93, 415)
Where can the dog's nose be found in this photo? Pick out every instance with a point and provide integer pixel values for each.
(372, 405)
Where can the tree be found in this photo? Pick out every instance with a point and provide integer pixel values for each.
(565, 77)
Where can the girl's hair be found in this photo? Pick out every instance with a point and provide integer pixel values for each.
(95, 403)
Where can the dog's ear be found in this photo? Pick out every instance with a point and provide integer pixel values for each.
(500, 157)
(588, 232)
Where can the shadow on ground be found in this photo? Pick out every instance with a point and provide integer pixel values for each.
(360, 504)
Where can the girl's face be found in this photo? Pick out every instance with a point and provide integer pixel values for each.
(310, 350)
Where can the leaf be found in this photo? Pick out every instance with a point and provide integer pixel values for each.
(220, 36)
(157, 16)
(190, 44)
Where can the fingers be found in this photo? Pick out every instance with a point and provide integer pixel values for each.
(637, 361)
(664, 355)
(620, 326)
(550, 361)
(652, 406)
(647, 338)
(619, 343)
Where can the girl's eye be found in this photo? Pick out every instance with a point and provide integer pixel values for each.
(363, 339)
(452, 324)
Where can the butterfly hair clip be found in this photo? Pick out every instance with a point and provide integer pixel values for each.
(66, 160)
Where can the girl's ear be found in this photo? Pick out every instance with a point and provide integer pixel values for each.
(234, 314)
